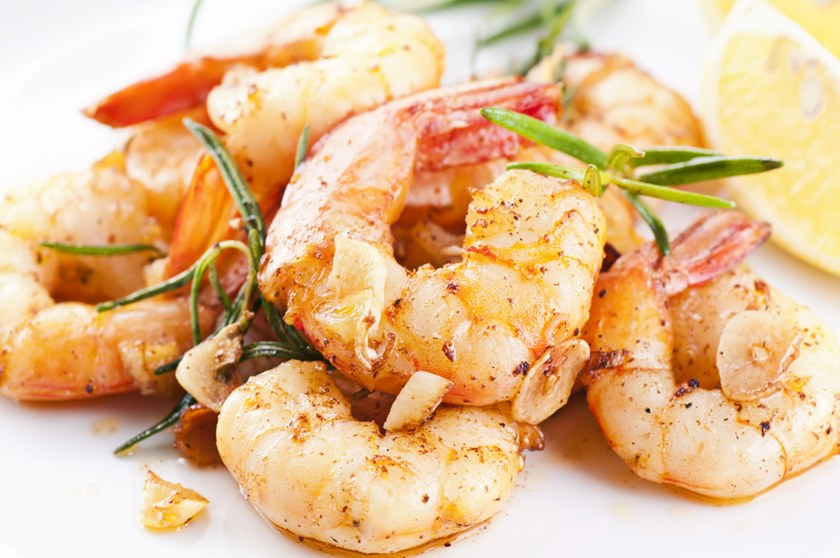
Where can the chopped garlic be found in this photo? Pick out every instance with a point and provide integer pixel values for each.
(168, 505)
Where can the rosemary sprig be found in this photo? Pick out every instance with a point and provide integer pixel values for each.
(275, 349)
(245, 201)
(709, 168)
(103, 250)
(302, 146)
(546, 134)
(166, 422)
(247, 300)
(555, 21)
(171, 284)
(618, 167)
(191, 23)
(668, 155)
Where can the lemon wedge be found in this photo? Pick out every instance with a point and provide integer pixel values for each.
(772, 89)
(820, 18)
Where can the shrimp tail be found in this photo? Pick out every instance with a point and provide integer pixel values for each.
(452, 131)
(712, 245)
(184, 87)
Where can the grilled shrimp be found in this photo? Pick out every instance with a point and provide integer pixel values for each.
(66, 350)
(710, 379)
(98, 206)
(501, 323)
(611, 101)
(314, 68)
(309, 467)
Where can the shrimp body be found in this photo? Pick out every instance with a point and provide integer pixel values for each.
(522, 288)
(710, 379)
(309, 467)
(58, 351)
(368, 56)
(98, 206)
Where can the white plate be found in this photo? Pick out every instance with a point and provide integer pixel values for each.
(63, 490)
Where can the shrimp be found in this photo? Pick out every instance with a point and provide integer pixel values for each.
(57, 351)
(513, 304)
(709, 379)
(65, 350)
(309, 467)
(98, 206)
(611, 101)
(314, 69)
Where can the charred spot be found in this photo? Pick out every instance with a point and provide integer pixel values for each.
(765, 426)
(89, 388)
(610, 256)
(397, 303)
(425, 498)
(602, 293)
(449, 350)
(521, 368)
(647, 410)
(693, 383)
(452, 287)
(689, 405)
(576, 332)
(608, 359)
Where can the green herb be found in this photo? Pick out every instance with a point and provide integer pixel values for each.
(618, 168)
(302, 146)
(709, 168)
(103, 250)
(546, 134)
(191, 23)
(555, 18)
(656, 226)
(168, 367)
(668, 155)
(275, 349)
(247, 300)
(169, 420)
(171, 284)
(249, 209)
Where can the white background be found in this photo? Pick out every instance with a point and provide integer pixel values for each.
(62, 490)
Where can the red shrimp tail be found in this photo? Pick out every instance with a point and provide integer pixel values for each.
(183, 87)
(712, 245)
(452, 132)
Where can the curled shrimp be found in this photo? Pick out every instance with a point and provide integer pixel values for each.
(610, 101)
(309, 467)
(95, 207)
(710, 379)
(501, 323)
(314, 69)
(67, 350)
(53, 350)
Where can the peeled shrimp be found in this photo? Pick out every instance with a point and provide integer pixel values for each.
(66, 350)
(315, 68)
(513, 304)
(706, 379)
(95, 207)
(612, 101)
(309, 467)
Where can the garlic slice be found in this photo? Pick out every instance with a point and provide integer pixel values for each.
(168, 505)
(549, 382)
(204, 369)
(755, 351)
(417, 400)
